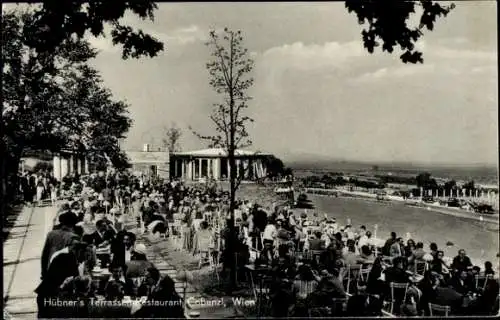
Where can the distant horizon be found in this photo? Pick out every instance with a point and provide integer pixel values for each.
(307, 157)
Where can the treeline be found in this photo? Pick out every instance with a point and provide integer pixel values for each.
(424, 181)
(329, 181)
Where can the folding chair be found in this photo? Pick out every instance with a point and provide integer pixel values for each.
(353, 274)
(316, 255)
(482, 281)
(438, 310)
(395, 298)
(363, 273)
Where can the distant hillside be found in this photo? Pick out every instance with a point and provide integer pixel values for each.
(480, 174)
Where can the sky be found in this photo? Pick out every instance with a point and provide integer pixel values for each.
(317, 91)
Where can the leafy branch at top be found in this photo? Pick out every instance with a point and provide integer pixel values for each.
(388, 24)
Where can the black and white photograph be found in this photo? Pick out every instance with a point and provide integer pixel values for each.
(175, 160)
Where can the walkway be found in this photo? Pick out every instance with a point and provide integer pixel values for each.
(21, 260)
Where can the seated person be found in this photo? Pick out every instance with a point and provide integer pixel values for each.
(446, 295)
(267, 254)
(158, 288)
(397, 272)
(417, 254)
(366, 255)
(461, 283)
(118, 274)
(461, 261)
(315, 242)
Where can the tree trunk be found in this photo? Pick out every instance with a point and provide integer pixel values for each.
(232, 245)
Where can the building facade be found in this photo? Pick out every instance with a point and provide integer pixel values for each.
(214, 164)
(69, 163)
(150, 163)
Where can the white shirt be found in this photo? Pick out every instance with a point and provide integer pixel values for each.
(128, 254)
(270, 232)
(363, 241)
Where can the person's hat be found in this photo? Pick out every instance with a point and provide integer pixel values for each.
(303, 215)
(65, 207)
(140, 248)
(68, 219)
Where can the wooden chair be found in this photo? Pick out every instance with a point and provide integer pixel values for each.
(438, 310)
(395, 298)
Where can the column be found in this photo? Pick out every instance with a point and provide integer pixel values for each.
(57, 167)
(190, 170)
(64, 167)
(210, 168)
(182, 168)
(199, 168)
(215, 168)
(238, 168)
(86, 164)
(228, 169)
(78, 164)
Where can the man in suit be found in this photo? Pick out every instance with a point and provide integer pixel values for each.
(118, 275)
(62, 266)
(160, 289)
(417, 254)
(99, 235)
(58, 239)
(397, 248)
(461, 262)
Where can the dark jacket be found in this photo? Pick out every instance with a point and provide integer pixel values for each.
(128, 285)
(461, 264)
(165, 291)
(63, 266)
(55, 241)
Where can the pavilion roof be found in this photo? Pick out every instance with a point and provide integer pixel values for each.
(218, 152)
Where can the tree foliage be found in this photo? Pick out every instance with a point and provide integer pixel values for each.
(229, 70)
(425, 181)
(389, 24)
(54, 101)
(57, 22)
(171, 138)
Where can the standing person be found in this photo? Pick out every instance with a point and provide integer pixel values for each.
(53, 193)
(58, 239)
(39, 191)
(25, 184)
(62, 265)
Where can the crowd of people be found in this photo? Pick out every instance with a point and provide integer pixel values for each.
(37, 186)
(297, 265)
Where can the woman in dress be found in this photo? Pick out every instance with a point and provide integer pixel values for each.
(39, 191)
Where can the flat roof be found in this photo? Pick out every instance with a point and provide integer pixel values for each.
(219, 152)
(147, 157)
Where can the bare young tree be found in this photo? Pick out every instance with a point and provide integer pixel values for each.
(229, 70)
(171, 138)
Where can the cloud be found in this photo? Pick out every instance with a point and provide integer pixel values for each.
(438, 59)
(308, 57)
(395, 72)
(183, 36)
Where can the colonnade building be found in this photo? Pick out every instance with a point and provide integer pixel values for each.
(68, 163)
(214, 164)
